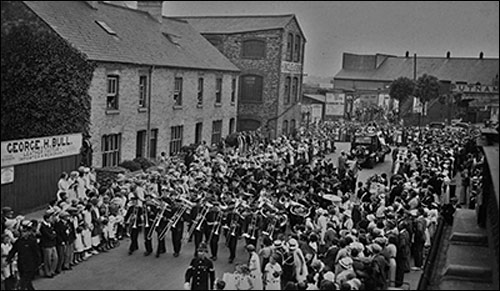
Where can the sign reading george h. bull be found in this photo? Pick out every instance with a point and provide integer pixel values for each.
(15, 152)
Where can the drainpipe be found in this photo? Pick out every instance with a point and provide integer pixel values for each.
(148, 128)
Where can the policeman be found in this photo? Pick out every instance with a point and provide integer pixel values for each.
(201, 274)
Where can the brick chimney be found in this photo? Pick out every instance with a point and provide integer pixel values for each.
(154, 8)
(93, 4)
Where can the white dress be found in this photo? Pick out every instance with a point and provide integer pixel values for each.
(272, 283)
(255, 271)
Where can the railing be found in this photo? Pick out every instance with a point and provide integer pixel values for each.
(430, 261)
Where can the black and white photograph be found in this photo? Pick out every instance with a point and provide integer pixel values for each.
(250, 145)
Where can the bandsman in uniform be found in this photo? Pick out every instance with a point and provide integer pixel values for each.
(233, 230)
(150, 212)
(199, 224)
(134, 221)
(177, 230)
(165, 216)
(201, 273)
(211, 231)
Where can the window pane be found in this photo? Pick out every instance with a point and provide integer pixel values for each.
(254, 48)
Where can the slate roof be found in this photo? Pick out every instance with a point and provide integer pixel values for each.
(139, 38)
(316, 97)
(237, 24)
(470, 70)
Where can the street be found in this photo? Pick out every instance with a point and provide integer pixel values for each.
(116, 270)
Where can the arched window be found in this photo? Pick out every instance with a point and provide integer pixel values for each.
(289, 47)
(296, 51)
(292, 126)
(287, 90)
(251, 88)
(285, 127)
(254, 49)
(295, 87)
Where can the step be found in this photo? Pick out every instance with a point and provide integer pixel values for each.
(468, 273)
(462, 238)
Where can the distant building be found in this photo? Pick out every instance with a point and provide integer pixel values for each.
(158, 84)
(269, 51)
(370, 76)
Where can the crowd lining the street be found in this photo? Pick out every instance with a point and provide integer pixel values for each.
(364, 239)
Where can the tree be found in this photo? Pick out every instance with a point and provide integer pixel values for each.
(401, 89)
(44, 80)
(427, 88)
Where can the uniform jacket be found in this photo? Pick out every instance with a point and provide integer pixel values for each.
(201, 274)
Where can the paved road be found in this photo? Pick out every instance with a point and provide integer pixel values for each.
(117, 270)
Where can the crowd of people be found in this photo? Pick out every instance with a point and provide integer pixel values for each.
(306, 223)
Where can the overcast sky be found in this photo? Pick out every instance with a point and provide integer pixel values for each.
(331, 27)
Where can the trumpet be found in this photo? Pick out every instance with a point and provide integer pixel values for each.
(198, 222)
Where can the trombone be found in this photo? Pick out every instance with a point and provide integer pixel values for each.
(133, 217)
(174, 220)
(198, 222)
(156, 222)
(250, 234)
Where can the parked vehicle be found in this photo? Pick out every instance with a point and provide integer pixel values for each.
(369, 148)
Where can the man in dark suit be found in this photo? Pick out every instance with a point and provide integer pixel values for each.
(28, 253)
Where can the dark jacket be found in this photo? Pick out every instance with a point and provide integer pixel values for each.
(29, 257)
(48, 236)
(200, 274)
(62, 232)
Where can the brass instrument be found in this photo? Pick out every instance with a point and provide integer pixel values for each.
(157, 221)
(198, 222)
(132, 220)
(175, 218)
(251, 228)
(218, 223)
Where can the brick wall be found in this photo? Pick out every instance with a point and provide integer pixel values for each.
(270, 68)
(129, 119)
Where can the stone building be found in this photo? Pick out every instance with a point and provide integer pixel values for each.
(158, 84)
(269, 51)
(369, 78)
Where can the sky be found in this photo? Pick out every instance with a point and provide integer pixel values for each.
(332, 27)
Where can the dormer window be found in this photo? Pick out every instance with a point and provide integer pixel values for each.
(106, 27)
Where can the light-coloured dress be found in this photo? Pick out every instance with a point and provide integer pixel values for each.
(272, 283)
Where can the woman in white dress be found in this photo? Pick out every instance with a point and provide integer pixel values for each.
(254, 266)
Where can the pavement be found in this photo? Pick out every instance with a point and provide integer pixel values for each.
(116, 270)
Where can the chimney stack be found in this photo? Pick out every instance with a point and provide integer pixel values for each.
(481, 55)
(448, 54)
(407, 55)
(154, 8)
(92, 4)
